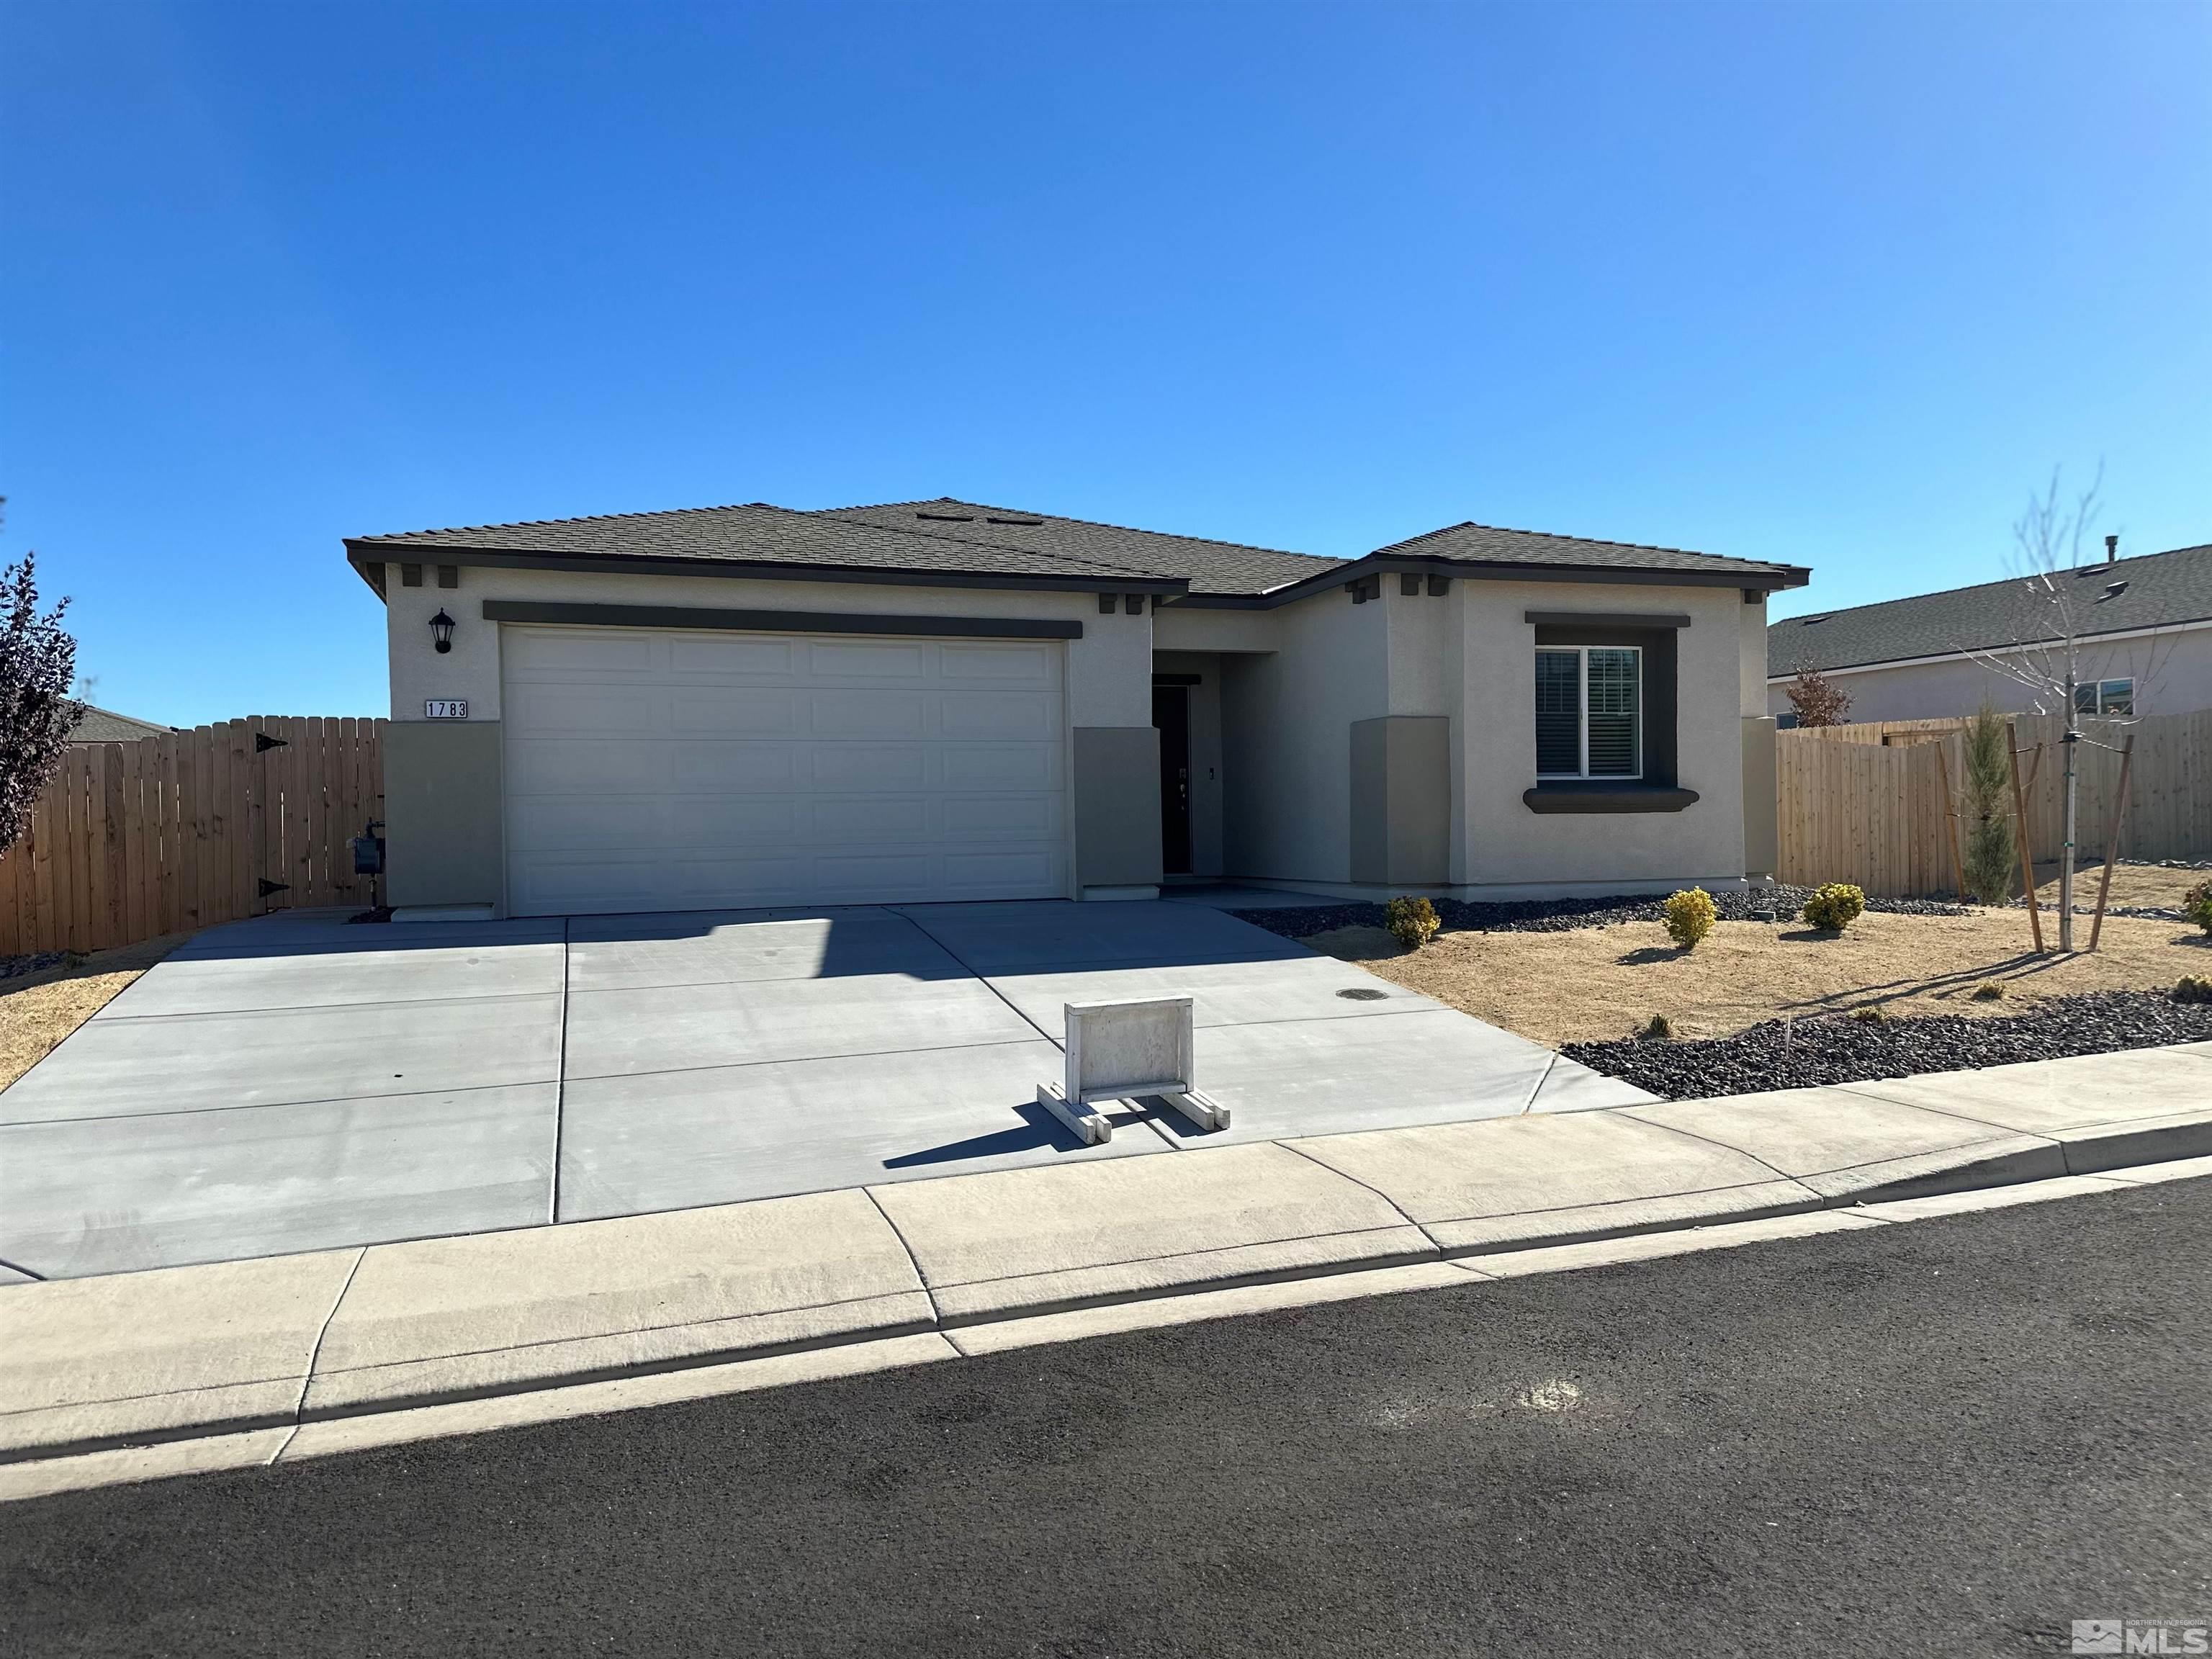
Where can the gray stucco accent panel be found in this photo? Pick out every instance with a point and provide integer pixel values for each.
(1762, 829)
(1401, 800)
(1117, 806)
(445, 842)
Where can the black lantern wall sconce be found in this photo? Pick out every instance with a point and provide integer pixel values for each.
(441, 631)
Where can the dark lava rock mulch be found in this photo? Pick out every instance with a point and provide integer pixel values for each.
(16, 967)
(1562, 915)
(1837, 1048)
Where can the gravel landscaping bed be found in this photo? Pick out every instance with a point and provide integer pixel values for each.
(1838, 1049)
(1561, 915)
(16, 967)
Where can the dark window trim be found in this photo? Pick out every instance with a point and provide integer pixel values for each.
(1602, 796)
(1600, 619)
(777, 622)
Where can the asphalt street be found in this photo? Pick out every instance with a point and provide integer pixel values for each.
(1948, 1437)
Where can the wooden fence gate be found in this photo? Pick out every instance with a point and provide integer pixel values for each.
(131, 841)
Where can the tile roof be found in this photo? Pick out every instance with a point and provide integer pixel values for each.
(106, 725)
(1212, 567)
(2160, 589)
(757, 533)
(1482, 544)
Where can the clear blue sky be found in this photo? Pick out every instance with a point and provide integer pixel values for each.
(1832, 285)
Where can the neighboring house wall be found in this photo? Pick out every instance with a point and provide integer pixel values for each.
(444, 786)
(2173, 672)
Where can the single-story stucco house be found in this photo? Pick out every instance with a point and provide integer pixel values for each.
(2143, 627)
(750, 705)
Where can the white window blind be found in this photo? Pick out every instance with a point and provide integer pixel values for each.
(1590, 712)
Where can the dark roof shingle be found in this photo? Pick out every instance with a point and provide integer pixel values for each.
(757, 533)
(1482, 544)
(2160, 590)
(1212, 567)
(106, 725)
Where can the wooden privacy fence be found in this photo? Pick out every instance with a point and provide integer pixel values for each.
(134, 840)
(1866, 803)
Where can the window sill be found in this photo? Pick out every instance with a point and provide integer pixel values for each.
(1580, 797)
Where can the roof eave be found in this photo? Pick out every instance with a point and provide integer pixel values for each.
(361, 552)
(1765, 578)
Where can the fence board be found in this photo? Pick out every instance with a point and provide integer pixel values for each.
(1863, 803)
(178, 832)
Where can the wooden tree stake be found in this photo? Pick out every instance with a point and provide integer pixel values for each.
(2019, 818)
(2112, 841)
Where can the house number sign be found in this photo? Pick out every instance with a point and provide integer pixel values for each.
(445, 708)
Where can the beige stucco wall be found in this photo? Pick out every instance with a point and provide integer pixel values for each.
(2172, 673)
(1501, 843)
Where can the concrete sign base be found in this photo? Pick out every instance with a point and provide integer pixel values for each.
(1128, 1051)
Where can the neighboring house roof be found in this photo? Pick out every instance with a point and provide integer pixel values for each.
(106, 725)
(1210, 567)
(1487, 544)
(2157, 590)
(947, 540)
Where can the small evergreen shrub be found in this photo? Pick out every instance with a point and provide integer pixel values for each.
(2197, 905)
(1661, 1028)
(2193, 987)
(1413, 920)
(1690, 916)
(1990, 990)
(1835, 906)
(1986, 806)
(1872, 1014)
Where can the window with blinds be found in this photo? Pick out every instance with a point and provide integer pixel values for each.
(1590, 712)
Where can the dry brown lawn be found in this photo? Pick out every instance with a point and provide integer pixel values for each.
(2132, 884)
(1594, 983)
(38, 1010)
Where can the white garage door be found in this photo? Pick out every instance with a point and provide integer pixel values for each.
(656, 770)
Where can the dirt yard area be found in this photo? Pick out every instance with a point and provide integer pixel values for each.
(2146, 886)
(38, 1010)
(1594, 983)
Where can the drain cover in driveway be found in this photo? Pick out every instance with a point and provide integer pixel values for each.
(1363, 993)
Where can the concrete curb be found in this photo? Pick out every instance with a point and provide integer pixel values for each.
(645, 1308)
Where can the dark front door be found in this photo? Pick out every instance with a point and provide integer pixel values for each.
(1171, 713)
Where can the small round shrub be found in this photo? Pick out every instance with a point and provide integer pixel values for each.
(1413, 920)
(1990, 990)
(1660, 1029)
(2197, 905)
(1835, 906)
(1873, 1013)
(1690, 916)
(2193, 987)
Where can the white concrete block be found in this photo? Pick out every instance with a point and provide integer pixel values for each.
(1119, 1050)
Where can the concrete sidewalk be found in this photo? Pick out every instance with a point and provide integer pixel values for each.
(260, 1352)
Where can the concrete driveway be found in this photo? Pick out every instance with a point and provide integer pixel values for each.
(296, 1083)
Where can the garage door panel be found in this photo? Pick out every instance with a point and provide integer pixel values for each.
(995, 714)
(764, 712)
(885, 713)
(652, 769)
(1011, 664)
(848, 820)
(582, 766)
(871, 659)
(1000, 817)
(870, 766)
(751, 768)
(1002, 766)
(746, 656)
(528, 653)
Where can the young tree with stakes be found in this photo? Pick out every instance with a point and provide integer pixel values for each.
(37, 661)
(2050, 620)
